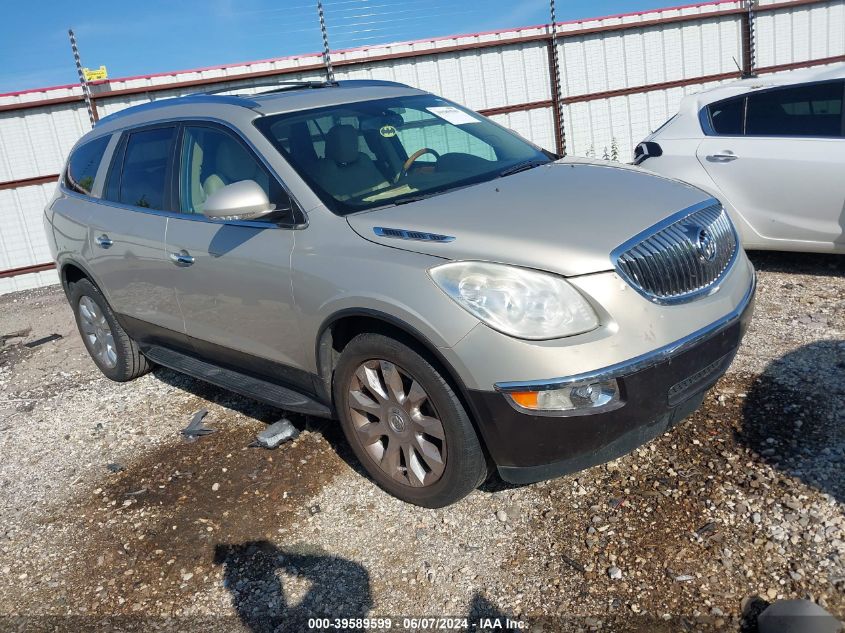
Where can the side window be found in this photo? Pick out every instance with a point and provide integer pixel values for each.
(83, 164)
(727, 116)
(140, 178)
(213, 158)
(811, 110)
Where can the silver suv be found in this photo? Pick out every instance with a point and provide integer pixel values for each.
(459, 298)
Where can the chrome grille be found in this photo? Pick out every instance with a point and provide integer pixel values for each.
(682, 257)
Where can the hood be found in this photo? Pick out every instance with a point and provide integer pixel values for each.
(565, 217)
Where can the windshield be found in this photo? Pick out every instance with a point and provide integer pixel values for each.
(359, 156)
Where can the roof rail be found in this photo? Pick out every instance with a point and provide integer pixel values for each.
(275, 86)
(299, 85)
(243, 102)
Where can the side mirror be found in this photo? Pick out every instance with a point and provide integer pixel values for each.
(244, 200)
(646, 149)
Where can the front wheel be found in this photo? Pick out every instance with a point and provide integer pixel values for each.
(405, 423)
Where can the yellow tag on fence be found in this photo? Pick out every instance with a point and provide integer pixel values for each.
(97, 74)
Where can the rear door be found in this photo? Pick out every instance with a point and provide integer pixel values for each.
(126, 230)
(233, 278)
(778, 156)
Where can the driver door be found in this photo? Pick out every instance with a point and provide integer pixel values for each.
(232, 278)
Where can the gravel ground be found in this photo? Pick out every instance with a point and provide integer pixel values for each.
(108, 517)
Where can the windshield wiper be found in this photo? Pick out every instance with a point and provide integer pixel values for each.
(528, 164)
(414, 198)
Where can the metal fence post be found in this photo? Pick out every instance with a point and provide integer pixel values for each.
(747, 30)
(554, 76)
(327, 57)
(86, 91)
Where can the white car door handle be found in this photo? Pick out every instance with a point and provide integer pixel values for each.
(182, 258)
(723, 157)
(103, 241)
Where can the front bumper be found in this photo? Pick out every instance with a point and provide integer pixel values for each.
(659, 390)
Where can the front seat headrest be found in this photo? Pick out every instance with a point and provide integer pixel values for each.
(234, 163)
(342, 144)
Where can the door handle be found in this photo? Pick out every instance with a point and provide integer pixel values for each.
(182, 258)
(722, 157)
(103, 241)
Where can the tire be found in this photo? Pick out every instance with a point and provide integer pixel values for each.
(120, 359)
(389, 399)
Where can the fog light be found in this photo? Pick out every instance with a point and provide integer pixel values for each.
(585, 397)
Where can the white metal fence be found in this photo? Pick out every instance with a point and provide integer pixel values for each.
(621, 77)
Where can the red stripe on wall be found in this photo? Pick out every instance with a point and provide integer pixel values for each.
(28, 182)
(26, 270)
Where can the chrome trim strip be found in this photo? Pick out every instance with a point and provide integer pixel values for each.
(642, 236)
(638, 363)
(177, 215)
(655, 228)
(407, 234)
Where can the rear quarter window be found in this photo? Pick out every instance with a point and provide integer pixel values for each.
(83, 164)
(726, 117)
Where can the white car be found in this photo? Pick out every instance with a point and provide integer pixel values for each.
(771, 149)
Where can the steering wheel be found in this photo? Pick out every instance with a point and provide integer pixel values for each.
(404, 171)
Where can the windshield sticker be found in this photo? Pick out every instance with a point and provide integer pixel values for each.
(452, 115)
(391, 192)
(387, 131)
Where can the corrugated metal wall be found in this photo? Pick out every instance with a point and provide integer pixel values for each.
(652, 55)
(622, 76)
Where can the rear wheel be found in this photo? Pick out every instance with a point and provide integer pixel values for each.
(110, 347)
(405, 423)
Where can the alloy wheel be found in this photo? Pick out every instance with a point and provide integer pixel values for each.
(397, 423)
(97, 332)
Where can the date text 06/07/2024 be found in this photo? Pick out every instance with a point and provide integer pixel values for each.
(419, 623)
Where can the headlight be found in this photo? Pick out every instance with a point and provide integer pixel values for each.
(516, 301)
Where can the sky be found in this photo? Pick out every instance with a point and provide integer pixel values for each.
(151, 36)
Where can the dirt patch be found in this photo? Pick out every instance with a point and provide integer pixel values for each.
(156, 528)
(12, 353)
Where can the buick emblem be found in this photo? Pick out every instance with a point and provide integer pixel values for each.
(706, 246)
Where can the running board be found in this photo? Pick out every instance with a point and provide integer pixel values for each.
(248, 386)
